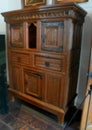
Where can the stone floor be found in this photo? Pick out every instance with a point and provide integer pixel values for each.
(22, 116)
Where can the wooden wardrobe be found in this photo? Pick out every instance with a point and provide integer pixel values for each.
(43, 45)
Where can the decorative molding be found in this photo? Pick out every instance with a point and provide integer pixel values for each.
(65, 10)
(43, 15)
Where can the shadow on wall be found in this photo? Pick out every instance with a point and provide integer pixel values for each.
(84, 59)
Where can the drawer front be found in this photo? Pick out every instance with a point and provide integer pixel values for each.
(49, 63)
(20, 58)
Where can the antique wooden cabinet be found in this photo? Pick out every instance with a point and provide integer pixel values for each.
(44, 46)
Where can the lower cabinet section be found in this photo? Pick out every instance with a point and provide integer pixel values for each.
(43, 89)
(59, 112)
(44, 86)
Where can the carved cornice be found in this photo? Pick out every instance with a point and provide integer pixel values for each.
(45, 13)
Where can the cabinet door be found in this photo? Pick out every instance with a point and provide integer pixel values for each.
(54, 91)
(16, 78)
(52, 36)
(33, 83)
(16, 31)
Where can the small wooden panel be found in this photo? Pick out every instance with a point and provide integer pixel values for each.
(53, 89)
(49, 63)
(52, 36)
(16, 35)
(16, 78)
(21, 58)
(33, 83)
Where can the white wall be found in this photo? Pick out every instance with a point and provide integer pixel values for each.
(8, 5)
(85, 52)
(86, 5)
(5, 6)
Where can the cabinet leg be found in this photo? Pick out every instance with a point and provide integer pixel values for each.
(60, 119)
(11, 97)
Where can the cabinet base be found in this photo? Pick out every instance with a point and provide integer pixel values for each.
(38, 103)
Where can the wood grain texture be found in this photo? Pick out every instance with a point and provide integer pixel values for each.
(44, 46)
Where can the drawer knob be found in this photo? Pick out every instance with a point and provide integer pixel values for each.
(47, 64)
(18, 59)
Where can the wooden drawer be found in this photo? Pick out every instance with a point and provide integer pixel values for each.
(21, 58)
(49, 63)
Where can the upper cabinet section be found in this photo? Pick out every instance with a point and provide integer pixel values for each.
(23, 35)
(45, 28)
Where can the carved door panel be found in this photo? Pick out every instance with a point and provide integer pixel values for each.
(52, 36)
(16, 78)
(16, 39)
(33, 83)
(54, 92)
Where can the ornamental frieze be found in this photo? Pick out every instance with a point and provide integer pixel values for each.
(43, 15)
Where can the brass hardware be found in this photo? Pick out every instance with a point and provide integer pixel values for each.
(18, 59)
(47, 64)
(37, 74)
(43, 38)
